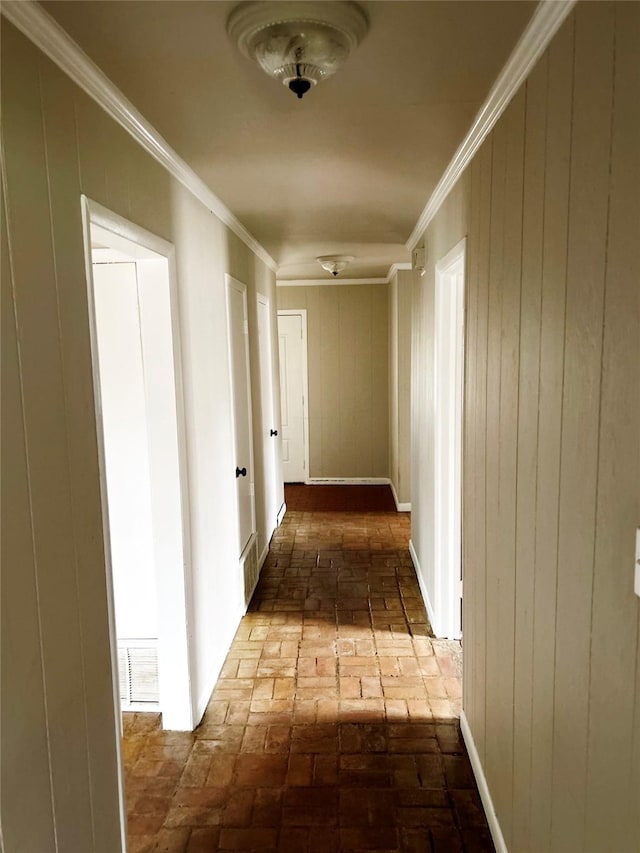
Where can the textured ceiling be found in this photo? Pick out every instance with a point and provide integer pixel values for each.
(349, 168)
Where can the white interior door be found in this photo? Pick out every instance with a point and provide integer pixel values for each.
(270, 425)
(292, 341)
(241, 391)
(124, 419)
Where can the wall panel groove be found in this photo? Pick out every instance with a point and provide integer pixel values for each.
(552, 456)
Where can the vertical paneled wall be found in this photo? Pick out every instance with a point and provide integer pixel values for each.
(59, 774)
(347, 340)
(552, 441)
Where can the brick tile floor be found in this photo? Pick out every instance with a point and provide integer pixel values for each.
(334, 723)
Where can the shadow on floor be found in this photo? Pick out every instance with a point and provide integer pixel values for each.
(334, 724)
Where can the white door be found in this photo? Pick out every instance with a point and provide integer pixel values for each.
(241, 392)
(126, 448)
(270, 426)
(293, 394)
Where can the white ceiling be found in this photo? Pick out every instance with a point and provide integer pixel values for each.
(346, 170)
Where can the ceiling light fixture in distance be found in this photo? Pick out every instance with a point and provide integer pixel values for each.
(334, 264)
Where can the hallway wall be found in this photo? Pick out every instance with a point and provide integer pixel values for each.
(347, 340)
(59, 774)
(551, 207)
(400, 297)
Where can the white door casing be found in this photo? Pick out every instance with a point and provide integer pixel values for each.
(238, 325)
(270, 425)
(448, 393)
(167, 468)
(292, 340)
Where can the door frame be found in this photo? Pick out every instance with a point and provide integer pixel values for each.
(175, 654)
(282, 312)
(269, 420)
(450, 274)
(236, 284)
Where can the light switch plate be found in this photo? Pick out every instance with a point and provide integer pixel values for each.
(636, 585)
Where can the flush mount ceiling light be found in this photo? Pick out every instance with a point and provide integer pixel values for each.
(298, 43)
(334, 263)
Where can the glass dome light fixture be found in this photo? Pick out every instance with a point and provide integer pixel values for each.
(298, 43)
(334, 264)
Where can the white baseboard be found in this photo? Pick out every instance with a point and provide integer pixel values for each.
(423, 588)
(214, 673)
(281, 513)
(348, 481)
(483, 787)
(401, 507)
(263, 556)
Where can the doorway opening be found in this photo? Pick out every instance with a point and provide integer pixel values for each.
(139, 416)
(448, 394)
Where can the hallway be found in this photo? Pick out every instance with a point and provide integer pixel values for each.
(333, 725)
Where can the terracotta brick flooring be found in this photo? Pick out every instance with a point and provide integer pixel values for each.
(333, 726)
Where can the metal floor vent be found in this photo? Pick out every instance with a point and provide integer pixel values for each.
(138, 672)
(249, 561)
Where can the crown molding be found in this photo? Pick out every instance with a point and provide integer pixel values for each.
(319, 282)
(393, 269)
(545, 22)
(327, 282)
(40, 28)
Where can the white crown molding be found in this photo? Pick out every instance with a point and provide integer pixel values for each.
(328, 282)
(319, 282)
(545, 22)
(393, 269)
(38, 26)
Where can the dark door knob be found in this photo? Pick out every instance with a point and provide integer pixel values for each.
(241, 472)
(273, 432)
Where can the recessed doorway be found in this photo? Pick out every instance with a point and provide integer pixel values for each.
(139, 418)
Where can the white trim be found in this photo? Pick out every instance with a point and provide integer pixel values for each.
(332, 282)
(483, 787)
(288, 312)
(349, 481)
(422, 585)
(269, 420)
(175, 655)
(232, 283)
(222, 649)
(31, 19)
(448, 392)
(545, 22)
(281, 513)
(263, 555)
(111, 610)
(401, 507)
(328, 282)
(393, 269)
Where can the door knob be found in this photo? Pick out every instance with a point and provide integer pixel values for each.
(273, 432)
(241, 472)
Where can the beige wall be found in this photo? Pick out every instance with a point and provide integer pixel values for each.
(59, 776)
(347, 328)
(400, 296)
(551, 206)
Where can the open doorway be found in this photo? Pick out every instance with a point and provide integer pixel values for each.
(448, 393)
(136, 363)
